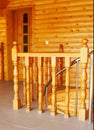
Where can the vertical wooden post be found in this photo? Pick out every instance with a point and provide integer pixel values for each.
(40, 84)
(24, 86)
(84, 57)
(67, 65)
(45, 75)
(49, 72)
(54, 107)
(16, 100)
(45, 71)
(49, 68)
(31, 79)
(35, 78)
(59, 67)
(28, 83)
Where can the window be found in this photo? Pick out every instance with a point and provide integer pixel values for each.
(25, 32)
(25, 18)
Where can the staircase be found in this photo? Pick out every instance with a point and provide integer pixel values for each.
(73, 109)
(64, 101)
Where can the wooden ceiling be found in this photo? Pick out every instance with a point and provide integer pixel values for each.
(3, 3)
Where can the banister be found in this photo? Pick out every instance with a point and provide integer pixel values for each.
(64, 68)
(60, 71)
(83, 86)
(82, 55)
(45, 54)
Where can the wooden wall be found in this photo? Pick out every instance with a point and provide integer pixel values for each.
(64, 22)
(3, 39)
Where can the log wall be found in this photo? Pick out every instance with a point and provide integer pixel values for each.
(3, 40)
(64, 22)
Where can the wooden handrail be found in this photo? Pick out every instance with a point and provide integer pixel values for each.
(45, 54)
(52, 55)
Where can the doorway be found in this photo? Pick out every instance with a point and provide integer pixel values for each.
(23, 29)
(19, 28)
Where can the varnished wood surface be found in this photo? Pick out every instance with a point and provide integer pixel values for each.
(40, 62)
(58, 22)
(4, 3)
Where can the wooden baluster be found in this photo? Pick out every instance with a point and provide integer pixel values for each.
(59, 67)
(67, 65)
(24, 86)
(31, 79)
(49, 73)
(28, 83)
(36, 97)
(40, 84)
(54, 107)
(84, 56)
(35, 78)
(45, 71)
(16, 100)
(45, 74)
(49, 68)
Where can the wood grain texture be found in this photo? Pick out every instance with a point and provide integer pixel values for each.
(57, 21)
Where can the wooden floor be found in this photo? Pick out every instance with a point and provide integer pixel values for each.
(22, 120)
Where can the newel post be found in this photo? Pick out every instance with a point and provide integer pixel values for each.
(84, 58)
(16, 100)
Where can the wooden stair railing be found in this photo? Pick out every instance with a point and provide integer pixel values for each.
(41, 61)
(16, 100)
(59, 66)
(84, 57)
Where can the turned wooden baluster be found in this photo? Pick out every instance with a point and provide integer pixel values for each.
(28, 107)
(84, 57)
(67, 65)
(59, 67)
(49, 73)
(49, 68)
(16, 100)
(40, 84)
(35, 78)
(24, 86)
(31, 79)
(45, 74)
(45, 71)
(54, 107)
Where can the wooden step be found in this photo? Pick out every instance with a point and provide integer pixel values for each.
(60, 95)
